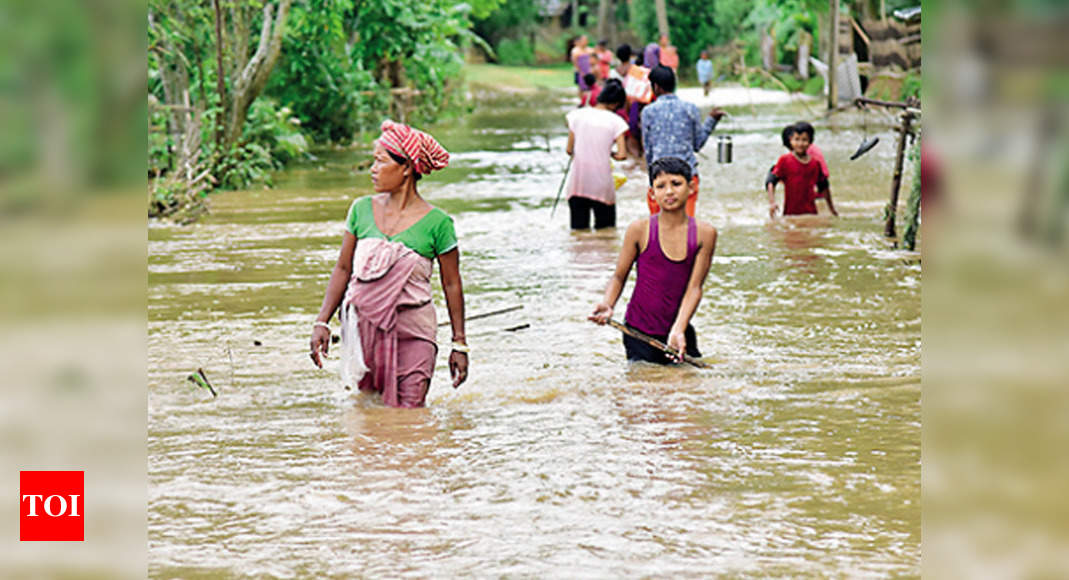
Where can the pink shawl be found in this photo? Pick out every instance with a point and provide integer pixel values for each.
(388, 285)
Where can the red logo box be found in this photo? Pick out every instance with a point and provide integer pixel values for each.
(52, 506)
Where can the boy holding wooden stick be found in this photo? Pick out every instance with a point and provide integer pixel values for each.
(674, 252)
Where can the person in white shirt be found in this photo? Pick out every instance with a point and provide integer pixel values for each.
(592, 134)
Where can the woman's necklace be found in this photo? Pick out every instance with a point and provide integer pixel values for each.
(394, 222)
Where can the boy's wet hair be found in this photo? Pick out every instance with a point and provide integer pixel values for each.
(662, 76)
(799, 127)
(613, 94)
(590, 79)
(623, 52)
(671, 166)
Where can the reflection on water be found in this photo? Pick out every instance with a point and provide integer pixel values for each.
(797, 453)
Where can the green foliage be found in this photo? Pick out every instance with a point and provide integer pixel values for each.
(814, 86)
(270, 139)
(513, 19)
(425, 37)
(338, 62)
(696, 25)
(793, 83)
(315, 76)
(160, 144)
(277, 130)
(911, 86)
(515, 52)
(481, 9)
(245, 164)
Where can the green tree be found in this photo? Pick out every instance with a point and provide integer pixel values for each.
(329, 91)
(511, 20)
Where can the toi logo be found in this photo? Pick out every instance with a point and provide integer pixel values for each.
(52, 506)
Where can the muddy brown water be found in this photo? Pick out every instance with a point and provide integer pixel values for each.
(798, 453)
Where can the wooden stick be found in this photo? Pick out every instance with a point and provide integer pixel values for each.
(911, 106)
(201, 380)
(486, 314)
(896, 178)
(656, 344)
(860, 32)
(561, 188)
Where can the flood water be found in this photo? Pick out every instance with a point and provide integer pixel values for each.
(797, 453)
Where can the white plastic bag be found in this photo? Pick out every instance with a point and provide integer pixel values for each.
(353, 367)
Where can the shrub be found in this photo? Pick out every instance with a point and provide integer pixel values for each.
(515, 52)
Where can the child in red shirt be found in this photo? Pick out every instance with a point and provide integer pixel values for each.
(804, 177)
(590, 98)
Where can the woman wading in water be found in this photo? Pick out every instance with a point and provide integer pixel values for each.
(382, 280)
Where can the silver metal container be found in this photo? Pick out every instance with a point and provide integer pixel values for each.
(723, 149)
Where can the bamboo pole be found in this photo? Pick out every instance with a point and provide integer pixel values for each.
(896, 179)
(910, 105)
(657, 344)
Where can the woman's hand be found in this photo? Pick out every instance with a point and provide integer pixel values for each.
(772, 209)
(458, 367)
(602, 313)
(677, 341)
(320, 344)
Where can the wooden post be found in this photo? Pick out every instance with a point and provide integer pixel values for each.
(833, 58)
(896, 180)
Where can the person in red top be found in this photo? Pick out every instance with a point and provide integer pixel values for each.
(604, 59)
(804, 177)
(591, 98)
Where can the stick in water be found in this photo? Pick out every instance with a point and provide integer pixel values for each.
(198, 378)
(656, 344)
(561, 188)
(486, 314)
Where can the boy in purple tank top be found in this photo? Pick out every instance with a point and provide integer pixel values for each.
(673, 252)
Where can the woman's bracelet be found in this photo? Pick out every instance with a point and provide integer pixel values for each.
(320, 323)
(458, 347)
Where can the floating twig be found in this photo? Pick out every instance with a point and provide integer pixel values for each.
(486, 314)
(199, 379)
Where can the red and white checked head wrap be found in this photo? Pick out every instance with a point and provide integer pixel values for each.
(424, 152)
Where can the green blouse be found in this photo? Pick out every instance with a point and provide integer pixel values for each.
(432, 235)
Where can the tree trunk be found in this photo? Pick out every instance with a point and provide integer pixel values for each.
(252, 78)
(662, 18)
(183, 119)
(613, 38)
(220, 85)
(604, 9)
(833, 57)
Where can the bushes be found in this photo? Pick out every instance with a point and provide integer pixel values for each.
(515, 52)
(271, 138)
(337, 63)
(911, 86)
(814, 86)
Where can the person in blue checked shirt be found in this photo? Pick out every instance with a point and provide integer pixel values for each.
(674, 128)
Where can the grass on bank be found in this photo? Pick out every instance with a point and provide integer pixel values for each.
(520, 77)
